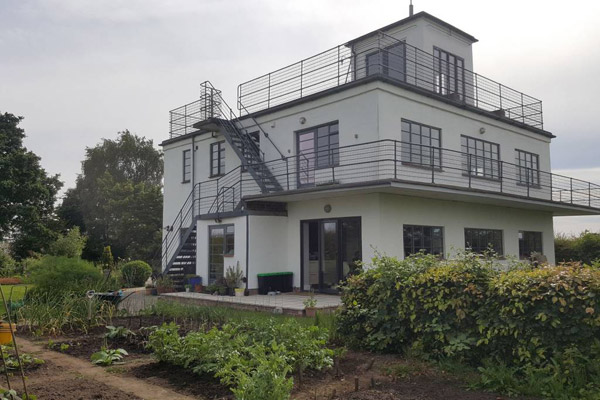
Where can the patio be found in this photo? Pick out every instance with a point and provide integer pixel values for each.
(285, 303)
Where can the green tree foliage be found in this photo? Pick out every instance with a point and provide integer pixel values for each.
(135, 273)
(27, 192)
(69, 245)
(7, 264)
(117, 200)
(584, 248)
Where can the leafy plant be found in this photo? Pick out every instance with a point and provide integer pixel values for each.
(310, 302)
(135, 273)
(64, 347)
(57, 275)
(12, 395)
(69, 245)
(118, 332)
(108, 356)
(234, 276)
(27, 360)
(164, 283)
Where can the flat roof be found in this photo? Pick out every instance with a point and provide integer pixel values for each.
(418, 15)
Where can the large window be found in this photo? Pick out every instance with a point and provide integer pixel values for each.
(482, 240)
(318, 147)
(421, 144)
(328, 146)
(429, 239)
(529, 242)
(220, 245)
(528, 168)
(449, 73)
(187, 166)
(481, 158)
(390, 61)
(217, 159)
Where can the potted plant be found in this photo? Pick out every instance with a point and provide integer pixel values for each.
(164, 285)
(310, 305)
(187, 287)
(233, 280)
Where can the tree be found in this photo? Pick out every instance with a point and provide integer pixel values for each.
(27, 192)
(117, 200)
(68, 245)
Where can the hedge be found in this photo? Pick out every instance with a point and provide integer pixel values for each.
(135, 273)
(470, 308)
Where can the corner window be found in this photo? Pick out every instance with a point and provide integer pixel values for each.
(528, 168)
(429, 239)
(389, 61)
(529, 242)
(217, 159)
(449, 74)
(187, 166)
(482, 240)
(421, 144)
(480, 158)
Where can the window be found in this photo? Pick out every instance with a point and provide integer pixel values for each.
(220, 245)
(528, 168)
(449, 73)
(481, 158)
(229, 240)
(421, 144)
(187, 166)
(529, 242)
(390, 61)
(482, 240)
(327, 146)
(430, 239)
(217, 159)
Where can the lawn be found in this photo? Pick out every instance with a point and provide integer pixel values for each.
(12, 293)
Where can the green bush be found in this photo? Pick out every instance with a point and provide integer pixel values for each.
(56, 275)
(135, 273)
(584, 248)
(8, 266)
(69, 245)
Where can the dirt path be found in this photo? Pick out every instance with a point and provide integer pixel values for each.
(129, 385)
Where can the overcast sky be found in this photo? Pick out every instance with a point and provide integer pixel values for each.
(82, 70)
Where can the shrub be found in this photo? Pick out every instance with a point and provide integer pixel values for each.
(135, 273)
(69, 245)
(61, 274)
(583, 248)
(8, 266)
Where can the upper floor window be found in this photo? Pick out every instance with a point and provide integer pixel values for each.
(390, 61)
(483, 240)
(529, 242)
(481, 158)
(421, 144)
(187, 166)
(528, 168)
(429, 239)
(449, 73)
(217, 159)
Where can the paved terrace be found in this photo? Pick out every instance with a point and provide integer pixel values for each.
(286, 303)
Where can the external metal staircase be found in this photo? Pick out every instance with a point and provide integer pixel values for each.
(211, 113)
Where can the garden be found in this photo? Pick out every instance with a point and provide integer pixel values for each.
(473, 327)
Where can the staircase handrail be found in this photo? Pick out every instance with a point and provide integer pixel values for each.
(240, 107)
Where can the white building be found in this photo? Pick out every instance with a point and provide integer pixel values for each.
(388, 143)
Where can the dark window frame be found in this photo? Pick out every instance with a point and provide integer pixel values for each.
(526, 251)
(333, 154)
(423, 228)
(479, 247)
(527, 176)
(382, 66)
(223, 252)
(485, 167)
(424, 151)
(186, 167)
(457, 86)
(220, 167)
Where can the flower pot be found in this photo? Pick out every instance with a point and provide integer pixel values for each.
(198, 288)
(310, 311)
(187, 289)
(5, 332)
(154, 292)
(239, 292)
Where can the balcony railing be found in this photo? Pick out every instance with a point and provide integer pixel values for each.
(395, 60)
(425, 167)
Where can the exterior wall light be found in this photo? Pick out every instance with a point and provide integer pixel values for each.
(482, 130)
(327, 208)
(302, 120)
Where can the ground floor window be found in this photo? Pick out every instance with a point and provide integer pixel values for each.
(429, 239)
(220, 245)
(529, 242)
(482, 240)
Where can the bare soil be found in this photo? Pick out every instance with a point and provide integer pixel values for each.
(380, 377)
